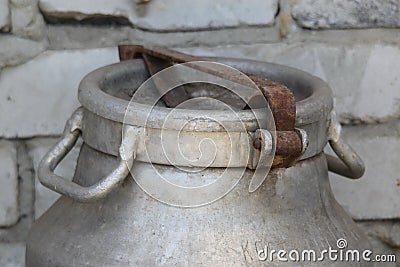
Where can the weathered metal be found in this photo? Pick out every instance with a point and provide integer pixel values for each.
(281, 102)
(70, 189)
(174, 97)
(349, 164)
(124, 226)
(280, 99)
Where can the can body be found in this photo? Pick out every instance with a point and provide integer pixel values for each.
(293, 210)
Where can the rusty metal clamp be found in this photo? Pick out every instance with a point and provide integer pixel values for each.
(349, 164)
(290, 144)
(72, 190)
(264, 142)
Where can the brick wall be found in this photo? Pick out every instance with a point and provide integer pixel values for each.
(47, 46)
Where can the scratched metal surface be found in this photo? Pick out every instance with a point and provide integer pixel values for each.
(293, 209)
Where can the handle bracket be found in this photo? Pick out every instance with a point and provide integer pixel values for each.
(348, 163)
(100, 189)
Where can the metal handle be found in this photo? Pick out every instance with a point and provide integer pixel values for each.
(349, 164)
(70, 189)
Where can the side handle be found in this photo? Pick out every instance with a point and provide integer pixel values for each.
(72, 190)
(348, 163)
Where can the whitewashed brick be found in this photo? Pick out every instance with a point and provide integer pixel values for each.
(168, 15)
(8, 184)
(364, 77)
(378, 232)
(37, 98)
(26, 19)
(15, 50)
(318, 14)
(45, 197)
(377, 194)
(4, 16)
(12, 254)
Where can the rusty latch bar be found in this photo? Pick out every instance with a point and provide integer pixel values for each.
(289, 143)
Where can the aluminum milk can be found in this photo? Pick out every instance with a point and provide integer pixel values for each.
(142, 194)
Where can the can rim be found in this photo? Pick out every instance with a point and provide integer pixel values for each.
(315, 107)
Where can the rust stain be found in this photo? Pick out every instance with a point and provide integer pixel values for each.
(280, 100)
